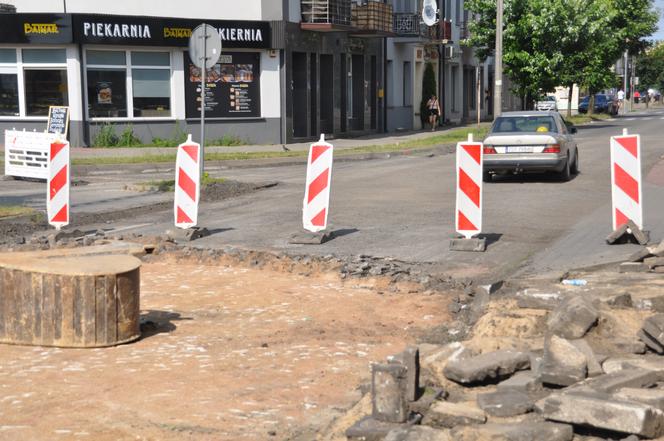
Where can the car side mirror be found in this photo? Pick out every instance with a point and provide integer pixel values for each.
(573, 130)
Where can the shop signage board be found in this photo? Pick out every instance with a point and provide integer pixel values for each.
(158, 31)
(58, 120)
(232, 87)
(26, 153)
(36, 28)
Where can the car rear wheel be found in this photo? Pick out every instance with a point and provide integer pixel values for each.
(566, 173)
(575, 165)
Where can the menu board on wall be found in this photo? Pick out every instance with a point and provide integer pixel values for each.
(233, 87)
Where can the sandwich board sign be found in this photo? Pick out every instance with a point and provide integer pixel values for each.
(58, 120)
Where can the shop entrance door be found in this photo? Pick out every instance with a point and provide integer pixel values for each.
(326, 94)
(313, 94)
(299, 87)
(372, 93)
(343, 81)
(358, 92)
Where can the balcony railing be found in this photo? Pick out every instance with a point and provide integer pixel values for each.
(373, 17)
(407, 25)
(439, 32)
(325, 14)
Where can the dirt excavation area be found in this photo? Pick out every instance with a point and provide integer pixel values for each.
(227, 353)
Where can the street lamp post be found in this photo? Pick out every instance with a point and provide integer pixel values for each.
(498, 86)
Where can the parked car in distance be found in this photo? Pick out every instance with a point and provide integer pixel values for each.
(547, 103)
(603, 104)
(530, 142)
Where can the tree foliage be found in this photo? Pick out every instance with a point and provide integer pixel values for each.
(650, 68)
(547, 43)
(428, 89)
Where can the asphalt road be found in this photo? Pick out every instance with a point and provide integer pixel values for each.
(402, 207)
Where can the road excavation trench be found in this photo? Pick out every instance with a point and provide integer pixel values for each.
(229, 352)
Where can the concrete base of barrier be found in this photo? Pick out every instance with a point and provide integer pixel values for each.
(308, 238)
(474, 244)
(628, 232)
(187, 235)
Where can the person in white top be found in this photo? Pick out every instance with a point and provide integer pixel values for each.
(621, 99)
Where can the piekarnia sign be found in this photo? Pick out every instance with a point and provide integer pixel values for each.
(157, 31)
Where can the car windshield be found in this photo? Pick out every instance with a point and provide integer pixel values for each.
(600, 98)
(506, 124)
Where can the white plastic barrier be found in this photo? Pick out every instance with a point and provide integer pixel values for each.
(26, 153)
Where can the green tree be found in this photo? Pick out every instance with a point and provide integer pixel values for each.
(561, 42)
(650, 68)
(428, 89)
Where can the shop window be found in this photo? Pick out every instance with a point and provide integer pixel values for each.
(106, 58)
(107, 92)
(152, 92)
(8, 95)
(44, 56)
(118, 88)
(8, 56)
(44, 88)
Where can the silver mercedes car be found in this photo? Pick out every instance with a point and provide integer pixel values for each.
(530, 142)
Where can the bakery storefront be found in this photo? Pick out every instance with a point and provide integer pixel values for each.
(134, 73)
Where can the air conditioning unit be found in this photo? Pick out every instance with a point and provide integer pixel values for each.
(449, 52)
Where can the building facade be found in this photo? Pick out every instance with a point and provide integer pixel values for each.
(283, 75)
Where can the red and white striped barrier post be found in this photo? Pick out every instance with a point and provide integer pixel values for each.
(468, 212)
(316, 204)
(187, 184)
(469, 165)
(627, 201)
(57, 200)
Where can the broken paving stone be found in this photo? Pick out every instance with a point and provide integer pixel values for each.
(528, 431)
(657, 250)
(435, 358)
(418, 433)
(388, 393)
(650, 342)
(649, 362)
(602, 411)
(652, 333)
(534, 298)
(491, 366)
(640, 255)
(573, 317)
(505, 403)
(623, 300)
(563, 364)
(410, 359)
(370, 429)
(594, 362)
(652, 397)
(654, 262)
(523, 381)
(425, 401)
(627, 231)
(630, 347)
(633, 267)
(446, 414)
(474, 245)
(630, 377)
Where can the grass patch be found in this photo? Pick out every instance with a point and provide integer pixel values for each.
(169, 184)
(14, 210)
(585, 118)
(450, 137)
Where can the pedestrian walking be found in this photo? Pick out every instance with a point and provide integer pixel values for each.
(621, 99)
(434, 111)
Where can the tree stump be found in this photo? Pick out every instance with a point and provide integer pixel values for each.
(75, 301)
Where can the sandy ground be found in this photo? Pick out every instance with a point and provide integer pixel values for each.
(236, 354)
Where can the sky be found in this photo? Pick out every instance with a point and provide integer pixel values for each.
(659, 35)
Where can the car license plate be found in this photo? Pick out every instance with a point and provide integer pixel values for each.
(519, 149)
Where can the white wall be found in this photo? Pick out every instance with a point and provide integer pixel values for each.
(211, 9)
(294, 13)
(270, 86)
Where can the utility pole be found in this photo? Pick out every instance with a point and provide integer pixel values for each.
(625, 62)
(498, 86)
